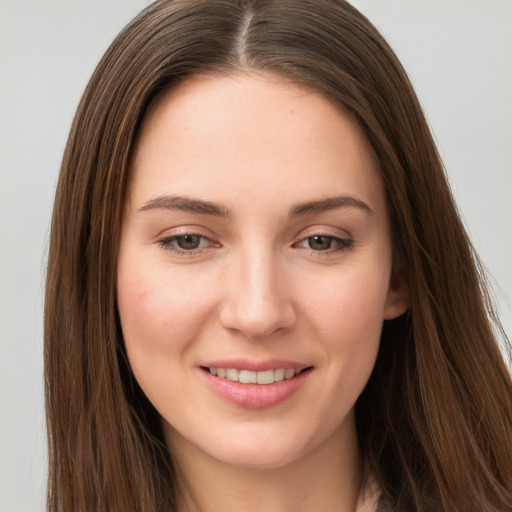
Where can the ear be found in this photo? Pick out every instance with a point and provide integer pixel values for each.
(397, 300)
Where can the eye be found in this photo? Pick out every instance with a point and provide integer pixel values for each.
(320, 242)
(187, 243)
(325, 243)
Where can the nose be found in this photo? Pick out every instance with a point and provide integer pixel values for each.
(257, 301)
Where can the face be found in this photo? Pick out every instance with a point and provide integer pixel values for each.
(255, 270)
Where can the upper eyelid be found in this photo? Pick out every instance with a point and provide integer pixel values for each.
(177, 231)
(316, 231)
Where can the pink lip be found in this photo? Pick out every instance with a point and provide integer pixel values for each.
(256, 366)
(255, 396)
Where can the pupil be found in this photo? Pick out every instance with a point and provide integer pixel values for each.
(320, 242)
(188, 241)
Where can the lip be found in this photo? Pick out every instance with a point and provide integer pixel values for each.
(255, 396)
(256, 366)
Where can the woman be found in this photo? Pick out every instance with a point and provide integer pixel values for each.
(249, 302)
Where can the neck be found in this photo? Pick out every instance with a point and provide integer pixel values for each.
(326, 478)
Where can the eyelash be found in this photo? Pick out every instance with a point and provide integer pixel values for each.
(167, 244)
(341, 244)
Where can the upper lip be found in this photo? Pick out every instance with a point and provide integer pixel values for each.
(256, 366)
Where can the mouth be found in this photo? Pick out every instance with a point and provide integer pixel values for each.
(265, 377)
(255, 384)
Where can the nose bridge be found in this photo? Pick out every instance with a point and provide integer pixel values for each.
(257, 300)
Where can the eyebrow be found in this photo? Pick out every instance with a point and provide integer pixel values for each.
(188, 204)
(330, 203)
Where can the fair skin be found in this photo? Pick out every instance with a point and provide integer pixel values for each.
(256, 237)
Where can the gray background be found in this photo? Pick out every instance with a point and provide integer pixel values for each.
(458, 54)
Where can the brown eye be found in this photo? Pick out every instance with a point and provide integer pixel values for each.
(188, 242)
(320, 242)
(325, 244)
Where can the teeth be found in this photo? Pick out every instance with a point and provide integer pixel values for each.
(279, 374)
(247, 377)
(288, 374)
(232, 374)
(267, 377)
(250, 377)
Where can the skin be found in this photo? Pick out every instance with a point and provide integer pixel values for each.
(257, 287)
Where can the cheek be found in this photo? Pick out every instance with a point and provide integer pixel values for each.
(344, 319)
(347, 316)
(160, 318)
(352, 298)
(159, 314)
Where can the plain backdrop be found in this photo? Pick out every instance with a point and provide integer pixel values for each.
(457, 52)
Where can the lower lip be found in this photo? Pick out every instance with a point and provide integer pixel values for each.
(256, 396)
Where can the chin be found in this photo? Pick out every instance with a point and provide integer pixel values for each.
(250, 446)
(258, 457)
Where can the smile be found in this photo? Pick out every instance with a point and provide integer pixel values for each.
(253, 377)
(258, 388)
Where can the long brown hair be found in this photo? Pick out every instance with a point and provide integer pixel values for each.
(435, 420)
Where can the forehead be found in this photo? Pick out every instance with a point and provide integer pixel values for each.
(237, 134)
